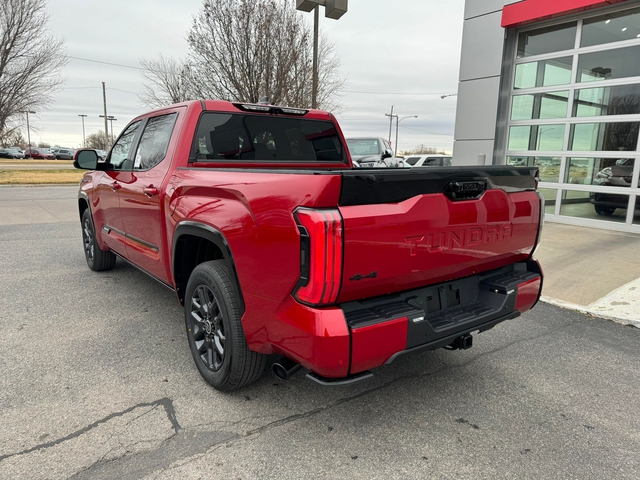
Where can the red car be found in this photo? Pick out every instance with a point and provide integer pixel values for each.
(275, 244)
(39, 153)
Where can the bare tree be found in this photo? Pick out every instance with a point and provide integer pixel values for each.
(14, 139)
(242, 50)
(30, 59)
(167, 81)
(97, 140)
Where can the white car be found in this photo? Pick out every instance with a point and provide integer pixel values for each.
(430, 160)
(372, 152)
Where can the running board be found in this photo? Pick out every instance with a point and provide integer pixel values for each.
(337, 382)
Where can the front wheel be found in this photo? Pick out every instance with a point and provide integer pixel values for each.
(214, 329)
(97, 259)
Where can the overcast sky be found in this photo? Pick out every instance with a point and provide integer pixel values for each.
(404, 53)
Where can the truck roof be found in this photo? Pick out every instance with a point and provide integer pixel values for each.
(225, 106)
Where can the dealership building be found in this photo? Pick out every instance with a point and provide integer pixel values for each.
(556, 84)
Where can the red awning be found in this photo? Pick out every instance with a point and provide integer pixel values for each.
(529, 11)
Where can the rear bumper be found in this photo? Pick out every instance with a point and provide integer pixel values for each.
(433, 317)
(354, 337)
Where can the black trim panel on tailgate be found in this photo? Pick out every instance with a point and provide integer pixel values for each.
(438, 311)
(397, 185)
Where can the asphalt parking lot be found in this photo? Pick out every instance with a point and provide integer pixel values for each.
(98, 382)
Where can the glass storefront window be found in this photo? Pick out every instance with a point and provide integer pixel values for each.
(556, 71)
(520, 161)
(594, 205)
(540, 105)
(612, 27)
(549, 137)
(609, 64)
(600, 171)
(622, 136)
(620, 100)
(536, 137)
(549, 168)
(549, 195)
(519, 138)
(601, 87)
(547, 40)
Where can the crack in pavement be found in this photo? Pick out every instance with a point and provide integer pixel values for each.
(205, 444)
(166, 403)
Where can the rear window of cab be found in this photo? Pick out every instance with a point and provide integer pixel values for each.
(268, 138)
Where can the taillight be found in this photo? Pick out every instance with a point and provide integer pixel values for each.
(320, 256)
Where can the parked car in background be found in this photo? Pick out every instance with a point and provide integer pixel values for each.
(6, 153)
(64, 153)
(372, 152)
(618, 175)
(431, 160)
(17, 151)
(39, 153)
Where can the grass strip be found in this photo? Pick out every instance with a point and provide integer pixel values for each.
(39, 177)
(30, 161)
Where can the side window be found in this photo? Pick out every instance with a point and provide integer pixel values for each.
(412, 160)
(120, 151)
(154, 142)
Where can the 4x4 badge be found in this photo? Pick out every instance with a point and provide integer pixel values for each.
(358, 277)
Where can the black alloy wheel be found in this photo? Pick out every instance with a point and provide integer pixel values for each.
(214, 329)
(87, 238)
(208, 327)
(97, 259)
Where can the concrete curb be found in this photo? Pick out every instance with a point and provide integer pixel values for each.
(622, 305)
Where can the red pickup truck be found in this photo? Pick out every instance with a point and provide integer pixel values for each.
(275, 244)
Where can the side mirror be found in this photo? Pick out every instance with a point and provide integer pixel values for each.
(86, 159)
(386, 154)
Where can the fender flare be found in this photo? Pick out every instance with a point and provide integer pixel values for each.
(83, 196)
(202, 230)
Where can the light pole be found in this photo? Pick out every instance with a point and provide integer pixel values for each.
(332, 9)
(398, 120)
(84, 143)
(111, 119)
(391, 117)
(28, 132)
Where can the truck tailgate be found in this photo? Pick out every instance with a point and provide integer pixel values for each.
(410, 228)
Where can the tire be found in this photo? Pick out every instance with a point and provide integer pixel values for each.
(97, 259)
(604, 211)
(214, 330)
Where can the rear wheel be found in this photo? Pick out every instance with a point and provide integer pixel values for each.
(604, 211)
(97, 259)
(214, 329)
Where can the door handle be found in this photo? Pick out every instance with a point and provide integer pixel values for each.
(115, 186)
(150, 191)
